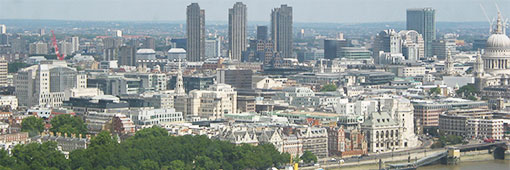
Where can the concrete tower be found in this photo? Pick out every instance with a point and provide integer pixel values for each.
(281, 30)
(195, 27)
(237, 30)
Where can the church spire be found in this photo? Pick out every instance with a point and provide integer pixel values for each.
(449, 67)
(478, 67)
(179, 85)
(500, 26)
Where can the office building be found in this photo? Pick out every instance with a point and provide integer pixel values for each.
(4, 39)
(213, 103)
(239, 79)
(127, 56)
(212, 48)
(413, 46)
(237, 30)
(281, 30)
(354, 53)
(44, 84)
(262, 33)
(195, 26)
(443, 46)
(423, 21)
(332, 48)
(149, 43)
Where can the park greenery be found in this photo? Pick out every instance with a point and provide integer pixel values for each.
(328, 87)
(445, 140)
(15, 66)
(308, 157)
(33, 125)
(435, 91)
(468, 91)
(148, 149)
(68, 125)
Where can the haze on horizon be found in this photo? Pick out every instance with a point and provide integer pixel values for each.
(324, 11)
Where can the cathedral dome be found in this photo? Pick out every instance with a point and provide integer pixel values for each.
(498, 41)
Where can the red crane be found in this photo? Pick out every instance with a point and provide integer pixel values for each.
(57, 52)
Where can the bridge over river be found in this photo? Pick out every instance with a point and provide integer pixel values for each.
(497, 148)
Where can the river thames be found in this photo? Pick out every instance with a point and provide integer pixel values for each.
(484, 165)
(466, 165)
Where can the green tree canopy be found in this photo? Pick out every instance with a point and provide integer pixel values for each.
(435, 90)
(328, 87)
(468, 91)
(32, 125)
(68, 124)
(150, 148)
(308, 157)
(39, 156)
(15, 66)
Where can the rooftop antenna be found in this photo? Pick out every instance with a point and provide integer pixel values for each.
(487, 17)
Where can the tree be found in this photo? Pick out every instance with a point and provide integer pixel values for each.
(308, 157)
(435, 90)
(39, 156)
(103, 138)
(68, 124)
(5, 159)
(154, 131)
(32, 125)
(16, 66)
(469, 91)
(328, 87)
(148, 165)
(176, 165)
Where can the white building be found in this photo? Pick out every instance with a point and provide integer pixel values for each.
(262, 82)
(175, 54)
(11, 101)
(44, 84)
(145, 54)
(486, 128)
(147, 117)
(212, 103)
(411, 71)
(361, 108)
(80, 92)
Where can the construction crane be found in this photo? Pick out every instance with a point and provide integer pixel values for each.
(54, 40)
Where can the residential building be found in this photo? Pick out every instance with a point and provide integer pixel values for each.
(38, 48)
(127, 56)
(281, 30)
(195, 31)
(237, 19)
(485, 129)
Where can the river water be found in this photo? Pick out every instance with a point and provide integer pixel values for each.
(466, 165)
(481, 165)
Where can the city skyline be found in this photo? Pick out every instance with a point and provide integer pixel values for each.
(336, 12)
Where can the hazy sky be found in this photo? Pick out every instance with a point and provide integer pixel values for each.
(332, 11)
